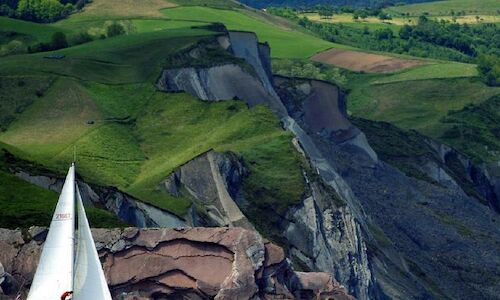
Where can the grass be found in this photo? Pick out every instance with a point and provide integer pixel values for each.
(36, 31)
(416, 104)
(18, 93)
(124, 59)
(99, 9)
(431, 71)
(184, 128)
(23, 205)
(475, 130)
(444, 8)
(139, 136)
(285, 43)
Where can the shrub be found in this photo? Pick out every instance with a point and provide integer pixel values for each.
(81, 38)
(58, 41)
(489, 69)
(13, 47)
(115, 29)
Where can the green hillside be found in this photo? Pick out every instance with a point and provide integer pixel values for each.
(415, 104)
(285, 42)
(101, 99)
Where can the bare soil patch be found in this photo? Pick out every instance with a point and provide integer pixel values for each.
(362, 61)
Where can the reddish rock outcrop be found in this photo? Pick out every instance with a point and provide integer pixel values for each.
(185, 263)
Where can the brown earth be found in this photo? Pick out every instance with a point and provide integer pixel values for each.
(362, 61)
(183, 263)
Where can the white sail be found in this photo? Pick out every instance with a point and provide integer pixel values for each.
(54, 274)
(90, 283)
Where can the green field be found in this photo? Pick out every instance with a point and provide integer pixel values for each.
(415, 104)
(285, 43)
(444, 8)
(432, 71)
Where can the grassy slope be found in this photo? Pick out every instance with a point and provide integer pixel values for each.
(432, 71)
(286, 43)
(23, 205)
(418, 104)
(130, 136)
(475, 130)
(440, 8)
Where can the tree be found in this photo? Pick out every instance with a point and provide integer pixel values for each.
(405, 32)
(489, 69)
(363, 14)
(58, 41)
(384, 34)
(115, 29)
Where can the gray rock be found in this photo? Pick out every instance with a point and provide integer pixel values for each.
(213, 180)
(126, 207)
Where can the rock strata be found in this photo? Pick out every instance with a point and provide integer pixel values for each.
(182, 263)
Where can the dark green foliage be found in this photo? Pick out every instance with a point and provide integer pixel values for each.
(115, 29)
(489, 69)
(81, 38)
(302, 68)
(383, 34)
(402, 149)
(475, 129)
(42, 11)
(59, 41)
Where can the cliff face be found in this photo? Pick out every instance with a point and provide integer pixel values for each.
(213, 181)
(381, 229)
(381, 232)
(192, 263)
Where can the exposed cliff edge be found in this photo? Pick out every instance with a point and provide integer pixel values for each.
(126, 207)
(213, 181)
(193, 263)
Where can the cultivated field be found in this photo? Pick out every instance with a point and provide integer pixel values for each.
(366, 62)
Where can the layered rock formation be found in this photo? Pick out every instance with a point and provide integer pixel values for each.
(213, 181)
(184, 263)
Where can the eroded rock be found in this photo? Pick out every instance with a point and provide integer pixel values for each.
(192, 263)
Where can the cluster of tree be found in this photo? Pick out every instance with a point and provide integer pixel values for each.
(428, 38)
(489, 69)
(43, 11)
(307, 69)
